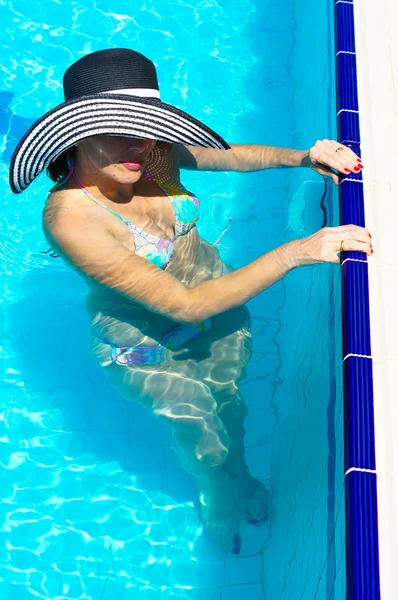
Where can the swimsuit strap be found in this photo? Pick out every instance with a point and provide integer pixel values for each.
(95, 199)
(225, 231)
(68, 176)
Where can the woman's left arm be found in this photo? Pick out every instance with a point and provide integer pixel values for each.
(322, 157)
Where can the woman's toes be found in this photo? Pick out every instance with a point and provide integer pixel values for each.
(236, 544)
(224, 537)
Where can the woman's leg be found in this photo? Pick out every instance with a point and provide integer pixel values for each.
(222, 371)
(172, 393)
(232, 411)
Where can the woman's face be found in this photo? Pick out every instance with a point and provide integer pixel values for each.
(120, 158)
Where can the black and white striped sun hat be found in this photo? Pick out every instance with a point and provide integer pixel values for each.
(109, 92)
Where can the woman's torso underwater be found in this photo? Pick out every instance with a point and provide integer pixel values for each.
(125, 322)
(128, 323)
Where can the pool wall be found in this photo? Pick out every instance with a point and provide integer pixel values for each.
(95, 498)
(305, 448)
(362, 556)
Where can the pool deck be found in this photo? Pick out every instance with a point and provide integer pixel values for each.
(377, 55)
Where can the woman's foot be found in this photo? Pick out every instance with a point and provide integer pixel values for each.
(254, 496)
(221, 510)
(256, 500)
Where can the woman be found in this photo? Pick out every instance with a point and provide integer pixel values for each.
(169, 325)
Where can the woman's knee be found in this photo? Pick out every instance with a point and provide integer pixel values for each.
(185, 404)
(202, 443)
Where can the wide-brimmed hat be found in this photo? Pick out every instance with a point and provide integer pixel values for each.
(109, 92)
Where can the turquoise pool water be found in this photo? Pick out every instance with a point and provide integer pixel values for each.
(95, 504)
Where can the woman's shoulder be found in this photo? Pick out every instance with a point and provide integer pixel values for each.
(60, 203)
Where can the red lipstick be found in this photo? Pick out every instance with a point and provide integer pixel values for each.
(133, 166)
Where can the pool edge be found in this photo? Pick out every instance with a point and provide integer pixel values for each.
(362, 555)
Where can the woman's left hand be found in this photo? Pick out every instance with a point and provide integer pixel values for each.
(322, 157)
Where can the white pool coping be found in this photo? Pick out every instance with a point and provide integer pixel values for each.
(376, 25)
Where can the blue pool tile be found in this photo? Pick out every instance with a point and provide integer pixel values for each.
(94, 586)
(210, 571)
(113, 445)
(345, 35)
(206, 594)
(150, 479)
(359, 449)
(238, 592)
(243, 570)
(259, 425)
(348, 128)
(118, 588)
(5, 112)
(356, 324)
(354, 256)
(11, 591)
(260, 393)
(259, 460)
(11, 124)
(352, 209)
(180, 486)
(140, 457)
(347, 82)
(109, 416)
(361, 526)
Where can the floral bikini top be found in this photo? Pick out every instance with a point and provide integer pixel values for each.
(186, 209)
(156, 249)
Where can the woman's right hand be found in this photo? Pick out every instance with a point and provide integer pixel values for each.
(325, 245)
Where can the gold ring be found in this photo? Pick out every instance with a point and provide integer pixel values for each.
(340, 148)
(342, 246)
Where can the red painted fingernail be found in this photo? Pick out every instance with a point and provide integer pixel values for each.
(347, 170)
(371, 251)
(356, 169)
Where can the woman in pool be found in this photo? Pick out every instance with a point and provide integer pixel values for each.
(169, 325)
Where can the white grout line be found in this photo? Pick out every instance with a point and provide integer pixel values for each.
(357, 356)
(360, 470)
(353, 260)
(347, 110)
(353, 180)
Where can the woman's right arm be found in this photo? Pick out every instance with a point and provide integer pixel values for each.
(95, 253)
(238, 287)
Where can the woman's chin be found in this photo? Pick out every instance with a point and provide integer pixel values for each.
(124, 175)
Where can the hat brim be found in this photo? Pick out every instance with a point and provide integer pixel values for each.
(103, 114)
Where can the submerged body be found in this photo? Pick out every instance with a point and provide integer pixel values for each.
(127, 226)
(133, 304)
(159, 225)
(194, 388)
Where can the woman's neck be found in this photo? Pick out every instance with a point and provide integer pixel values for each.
(100, 184)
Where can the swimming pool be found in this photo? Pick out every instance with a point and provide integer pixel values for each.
(96, 504)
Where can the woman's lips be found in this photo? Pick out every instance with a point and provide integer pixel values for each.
(133, 166)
